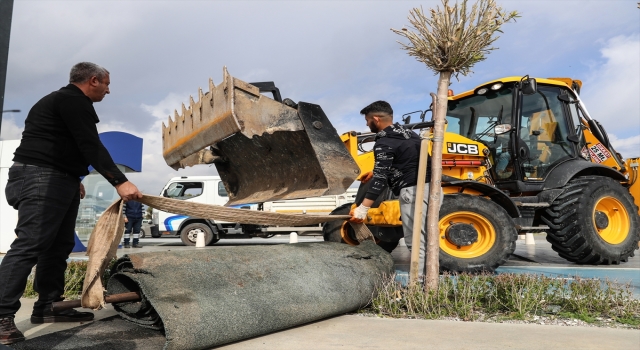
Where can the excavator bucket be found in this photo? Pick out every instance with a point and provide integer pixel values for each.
(263, 149)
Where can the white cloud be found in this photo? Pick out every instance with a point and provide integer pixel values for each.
(10, 131)
(155, 171)
(628, 147)
(612, 89)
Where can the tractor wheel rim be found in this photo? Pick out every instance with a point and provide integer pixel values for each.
(486, 235)
(618, 229)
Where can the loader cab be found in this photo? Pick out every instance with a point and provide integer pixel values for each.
(529, 127)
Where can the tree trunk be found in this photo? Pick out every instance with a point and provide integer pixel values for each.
(414, 268)
(435, 189)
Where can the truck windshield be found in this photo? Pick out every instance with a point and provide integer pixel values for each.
(474, 117)
(183, 190)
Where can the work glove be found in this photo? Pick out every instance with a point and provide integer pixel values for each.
(366, 177)
(358, 214)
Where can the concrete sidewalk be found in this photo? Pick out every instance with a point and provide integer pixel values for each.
(344, 332)
(361, 332)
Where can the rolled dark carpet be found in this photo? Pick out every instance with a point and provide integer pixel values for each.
(205, 298)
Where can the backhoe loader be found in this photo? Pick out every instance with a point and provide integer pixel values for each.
(520, 155)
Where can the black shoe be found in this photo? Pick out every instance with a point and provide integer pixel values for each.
(72, 315)
(9, 333)
(136, 246)
(127, 246)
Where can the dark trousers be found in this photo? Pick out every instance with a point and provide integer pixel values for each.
(133, 224)
(47, 201)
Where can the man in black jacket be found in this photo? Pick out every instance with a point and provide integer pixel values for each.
(397, 153)
(60, 140)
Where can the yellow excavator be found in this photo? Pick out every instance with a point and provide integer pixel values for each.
(520, 155)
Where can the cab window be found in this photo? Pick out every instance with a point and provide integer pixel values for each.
(475, 117)
(222, 192)
(183, 190)
(543, 133)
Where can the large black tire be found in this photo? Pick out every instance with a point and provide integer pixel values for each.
(492, 223)
(143, 233)
(331, 230)
(189, 233)
(572, 217)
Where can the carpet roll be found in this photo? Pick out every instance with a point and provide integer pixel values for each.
(205, 298)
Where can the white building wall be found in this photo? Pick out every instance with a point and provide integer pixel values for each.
(8, 215)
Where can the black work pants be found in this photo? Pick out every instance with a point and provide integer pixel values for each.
(47, 201)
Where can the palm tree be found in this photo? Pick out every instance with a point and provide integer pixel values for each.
(449, 41)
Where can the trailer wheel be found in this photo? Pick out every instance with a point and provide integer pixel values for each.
(341, 232)
(476, 234)
(189, 234)
(594, 221)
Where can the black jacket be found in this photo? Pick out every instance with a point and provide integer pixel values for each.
(60, 133)
(397, 153)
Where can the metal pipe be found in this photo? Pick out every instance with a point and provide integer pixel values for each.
(114, 298)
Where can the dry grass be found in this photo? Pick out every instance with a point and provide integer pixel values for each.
(74, 278)
(509, 296)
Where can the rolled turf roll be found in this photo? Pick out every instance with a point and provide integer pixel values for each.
(205, 298)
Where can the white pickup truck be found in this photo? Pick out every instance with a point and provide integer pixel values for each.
(210, 190)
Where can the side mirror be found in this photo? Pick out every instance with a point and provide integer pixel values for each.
(164, 193)
(502, 128)
(529, 86)
(566, 99)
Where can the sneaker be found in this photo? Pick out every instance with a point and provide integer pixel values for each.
(72, 315)
(9, 333)
(127, 246)
(137, 246)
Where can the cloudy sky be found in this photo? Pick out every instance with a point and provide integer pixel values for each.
(339, 54)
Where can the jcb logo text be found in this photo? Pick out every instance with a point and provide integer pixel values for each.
(461, 148)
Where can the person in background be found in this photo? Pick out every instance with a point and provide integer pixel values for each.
(59, 142)
(133, 221)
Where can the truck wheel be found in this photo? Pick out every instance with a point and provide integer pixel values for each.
(340, 231)
(594, 221)
(476, 234)
(190, 232)
(142, 233)
(155, 233)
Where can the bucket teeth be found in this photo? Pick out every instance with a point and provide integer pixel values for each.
(231, 107)
(267, 150)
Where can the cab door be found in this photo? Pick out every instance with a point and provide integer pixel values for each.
(544, 128)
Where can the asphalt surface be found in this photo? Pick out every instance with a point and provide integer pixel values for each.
(109, 331)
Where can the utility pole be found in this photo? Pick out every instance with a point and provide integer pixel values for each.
(6, 11)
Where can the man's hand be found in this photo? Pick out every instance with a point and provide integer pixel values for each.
(82, 191)
(126, 220)
(366, 177)
(358, 214)
(128, 191)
